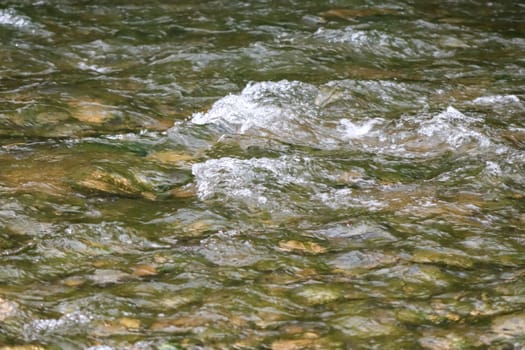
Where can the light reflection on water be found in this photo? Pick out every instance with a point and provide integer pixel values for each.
(258, 175)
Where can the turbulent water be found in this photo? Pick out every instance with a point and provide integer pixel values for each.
(262, 175)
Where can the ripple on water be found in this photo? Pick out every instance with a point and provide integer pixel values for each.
(439, 41)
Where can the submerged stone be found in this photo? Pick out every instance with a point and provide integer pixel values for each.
(509, 325)
(129, 323)
(73, 282)
(303, 247)
(318, 294)
(51, 117)
(115, 184)
(450, 341)
(187, 191)
(357, 261)
(90, 111)
(171, 157)
(306, 342)
(367, 327)
(352, 14)
(225, 251)
(433, 312)
(7, 309)
(108, 276)
(442, 256)
(145, 270)
(178, 299)
(23, 347)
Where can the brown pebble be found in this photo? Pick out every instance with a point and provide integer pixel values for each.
(145, 270)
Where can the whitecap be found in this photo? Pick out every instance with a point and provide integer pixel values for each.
(367, 41)
(65, 322)
(93, 67)
(10, 17)
(248, 180)
(418, 136)
(498, 100)
(454, 129)
(352, 130)
(283, 110)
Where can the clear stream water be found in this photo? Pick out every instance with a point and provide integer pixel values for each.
(262, 174)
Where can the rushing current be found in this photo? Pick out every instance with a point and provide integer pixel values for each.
(278, 175)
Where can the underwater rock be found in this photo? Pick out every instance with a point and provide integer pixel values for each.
(302, 247)
(108, 276)
(368, 327)
(114, 183)
(23, 347)
(442, 256)
(357, 261)
(7, 309)
(318, 294)
(352, 14)
(512, 325)
(91, 111)
(180, 298)
(451, 341)
(129, 323)
(145, 270)
(171, 157)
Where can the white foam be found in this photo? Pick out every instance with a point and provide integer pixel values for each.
(93, 67)
(453, 128)
(352, 130)
(238, 113)
(493, 169)
(10, 17)
(246, 179)
(66, 321)
(418, 136)
(366, 40)
(283, 110)
(275, 184)
(498, 100)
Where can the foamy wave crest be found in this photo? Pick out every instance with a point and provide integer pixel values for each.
(65, 324)
(417, 136)
(372, 41)
(247, 179)
(10, 17)
(276, 184)
(283, 110)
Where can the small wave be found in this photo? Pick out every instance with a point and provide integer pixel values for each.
(498, 100)
(11, 18)
(248, 179)
(416, 136)
(65, 323)
(372, 41)
(284, 110)
(426, 40)
(276, 184)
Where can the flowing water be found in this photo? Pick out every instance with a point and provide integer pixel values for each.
(262, 174)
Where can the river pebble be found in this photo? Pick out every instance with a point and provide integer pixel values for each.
(512, 325)
(7, 309)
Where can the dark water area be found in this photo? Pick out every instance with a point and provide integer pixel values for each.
(262, 175)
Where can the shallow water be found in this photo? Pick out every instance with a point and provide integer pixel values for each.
(262, 175)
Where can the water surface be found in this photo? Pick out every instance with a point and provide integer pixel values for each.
(262, 175)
